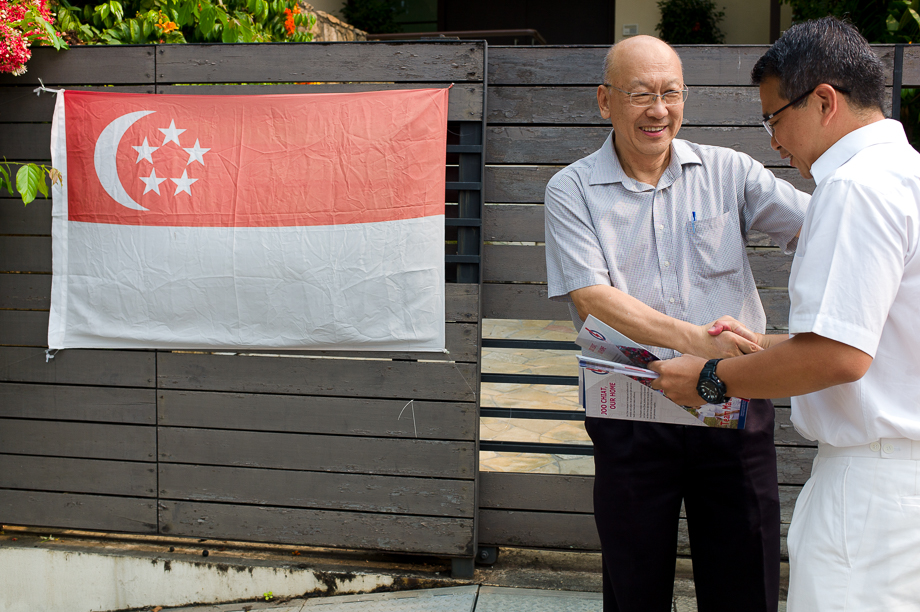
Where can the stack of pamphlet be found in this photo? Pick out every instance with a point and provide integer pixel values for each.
(613, 383)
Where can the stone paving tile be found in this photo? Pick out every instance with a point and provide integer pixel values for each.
(502, 599)
(556, 397)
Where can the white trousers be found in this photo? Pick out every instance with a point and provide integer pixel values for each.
(854, 541)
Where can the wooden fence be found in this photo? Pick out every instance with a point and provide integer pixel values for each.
(310, 449)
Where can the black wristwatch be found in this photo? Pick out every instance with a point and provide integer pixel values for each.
(710, 388)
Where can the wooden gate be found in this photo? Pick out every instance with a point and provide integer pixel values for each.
(542, 116)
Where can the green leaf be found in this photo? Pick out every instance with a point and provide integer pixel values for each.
(104, 10)
(117, 11)
(230, 33)
(207, 19)
(5, 178)
(27, 180)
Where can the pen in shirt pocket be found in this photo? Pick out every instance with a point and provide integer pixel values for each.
(693, 221)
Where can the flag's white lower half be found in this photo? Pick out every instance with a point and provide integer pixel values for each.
(372, 286)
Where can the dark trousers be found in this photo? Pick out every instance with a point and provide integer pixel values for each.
(727, 481)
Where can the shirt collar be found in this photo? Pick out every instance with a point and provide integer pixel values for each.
(609, 170)
(886, 131)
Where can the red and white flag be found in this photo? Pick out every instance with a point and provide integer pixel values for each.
(284, 221)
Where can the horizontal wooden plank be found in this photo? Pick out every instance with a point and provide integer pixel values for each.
(503, 263)
(520, 301)
(569, 494)
(703, 65)
(910, 69)
(318, 415)
(87, 65)
(447, 62)
(317, 490)
(547, 530)
(793, 464)
(30, 328)
(564, 145)
(776, 306)
(21, 103)
(563, 531)
(351, 455)
(705, 106)
(517, 184)
(784, 431)
(529, 301)
(527, 184)
(578, 106)
(26, 291)
(73, 439)
(74, 366)
(462, 302)
(317, 376)
(70, 403)
(70, 475)
(17, 218)
(24, 328)
(78, 511)
(513, 223)
(413, 534)
(465, 102)
(541, 492)
(25, 254)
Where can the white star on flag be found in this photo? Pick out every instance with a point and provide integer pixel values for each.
(171, 133)
(184, 183)
(196, 153)
(144, 152)
(152, 182)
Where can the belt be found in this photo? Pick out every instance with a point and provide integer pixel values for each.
(885, 448)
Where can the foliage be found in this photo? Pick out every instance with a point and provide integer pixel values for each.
(22, 24)
(869, 16)
(181, 21)
(694, 22)
(29, 179)
(374, 16)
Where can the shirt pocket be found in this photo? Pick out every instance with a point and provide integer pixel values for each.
(716, 246)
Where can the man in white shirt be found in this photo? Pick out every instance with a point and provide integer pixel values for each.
(853, 356)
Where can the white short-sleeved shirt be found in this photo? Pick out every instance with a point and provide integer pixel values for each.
(856, 279)
(678, 246)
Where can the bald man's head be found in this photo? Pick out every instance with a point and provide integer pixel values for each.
(627, 52)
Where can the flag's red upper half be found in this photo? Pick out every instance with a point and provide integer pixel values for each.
(255, 161)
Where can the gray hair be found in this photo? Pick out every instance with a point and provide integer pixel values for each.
(827, 51)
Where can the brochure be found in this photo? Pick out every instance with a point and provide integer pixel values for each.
(614, 383)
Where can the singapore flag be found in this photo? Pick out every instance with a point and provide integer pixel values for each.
(284, 221)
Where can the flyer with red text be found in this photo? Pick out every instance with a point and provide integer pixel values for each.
(613, 383)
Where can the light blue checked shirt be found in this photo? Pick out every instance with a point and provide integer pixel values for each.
(677, 247)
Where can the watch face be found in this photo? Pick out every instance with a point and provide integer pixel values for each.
(708, 391)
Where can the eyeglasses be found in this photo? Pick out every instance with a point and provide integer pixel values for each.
(766, 118)
(645, 98)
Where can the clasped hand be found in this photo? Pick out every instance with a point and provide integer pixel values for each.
(678, 377)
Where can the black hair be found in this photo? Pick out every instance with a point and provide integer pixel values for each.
(828, 51)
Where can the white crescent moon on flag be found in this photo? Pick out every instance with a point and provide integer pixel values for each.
(105, 162)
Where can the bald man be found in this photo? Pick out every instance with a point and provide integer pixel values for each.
(648, 235)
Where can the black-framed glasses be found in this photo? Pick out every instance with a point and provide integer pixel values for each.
(647, 98)
(766, 118)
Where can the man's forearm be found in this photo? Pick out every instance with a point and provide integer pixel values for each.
(633, 318)
(803, 364)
